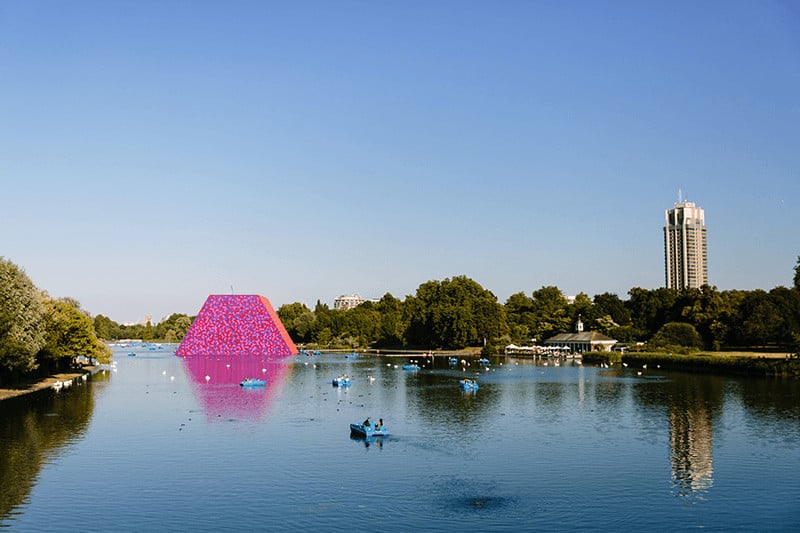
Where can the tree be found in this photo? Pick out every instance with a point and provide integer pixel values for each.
(549, 313)
(611, 305)
(797, 274)
(651, 309)
(392, 326)
(584, 308)
(105, 328)
(181, 327)
(302, 327)
(453, 314)
(69, 333)
(22, 332)
(762, 321)
(289, 313)
(519, 315)
(678, 334)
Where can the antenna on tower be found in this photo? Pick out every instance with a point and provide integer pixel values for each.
(680, 196)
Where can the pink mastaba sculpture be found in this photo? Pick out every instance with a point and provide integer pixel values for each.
(236, 325)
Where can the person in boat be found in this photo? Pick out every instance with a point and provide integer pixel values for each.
(367, 422)
(380, 423)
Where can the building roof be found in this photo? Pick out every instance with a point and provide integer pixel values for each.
(584, 336)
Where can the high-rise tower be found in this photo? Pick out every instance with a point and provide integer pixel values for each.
(685, 250)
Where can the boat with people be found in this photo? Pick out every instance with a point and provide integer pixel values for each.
(411, 366)
(342, 380)
(483, 361)
(468, 385)
(249, 382)
(452, 361)
(353, 355)
(369, 429)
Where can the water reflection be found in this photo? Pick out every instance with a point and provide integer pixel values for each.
(691, 403)
(34, 429)
(215, 381)
(368, 441)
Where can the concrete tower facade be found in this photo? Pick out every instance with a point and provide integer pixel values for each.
(685, 248)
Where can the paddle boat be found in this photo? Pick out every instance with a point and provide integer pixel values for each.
(368, 429)
(468, 385)
(353, 355)
(248, 382)
(483, 361)
(453, 361)
(131, 354)
(411, 366)
(343, 380)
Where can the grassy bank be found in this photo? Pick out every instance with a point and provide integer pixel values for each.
(12, 391)
(739, 364)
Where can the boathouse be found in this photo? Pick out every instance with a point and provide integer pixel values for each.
(582, 341)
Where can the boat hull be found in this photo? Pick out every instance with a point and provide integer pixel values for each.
(368, 431)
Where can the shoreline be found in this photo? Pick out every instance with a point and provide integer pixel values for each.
(42, 384)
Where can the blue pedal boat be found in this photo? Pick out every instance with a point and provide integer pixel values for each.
(368, 430)
(341, 381)
(468, 385)
(247, 382)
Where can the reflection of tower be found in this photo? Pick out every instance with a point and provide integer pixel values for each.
(691, 447)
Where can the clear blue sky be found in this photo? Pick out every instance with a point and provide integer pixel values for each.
(152, 153)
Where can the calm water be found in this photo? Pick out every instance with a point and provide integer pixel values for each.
(154, 446)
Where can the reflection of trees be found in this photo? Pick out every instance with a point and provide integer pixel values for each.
(33, 429)
(692, 402)
(437, 398)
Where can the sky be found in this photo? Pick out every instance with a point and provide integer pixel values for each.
(153, 153)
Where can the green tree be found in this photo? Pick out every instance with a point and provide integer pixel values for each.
(611, 305)
(549, 313)
(105, 328)
(584, 308)
(391, 332)
(520, 318)
(797, 274)
(651, 309)
(677, 334)
(181, 327)
(453, 314)
(69, 333)
(22, 330)
(701, 308)
(149, 332)
(289, 314)
(762, 322)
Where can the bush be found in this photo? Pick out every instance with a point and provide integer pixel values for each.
(677, 336)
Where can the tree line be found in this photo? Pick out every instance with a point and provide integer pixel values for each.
(171, 329)
(457, 313)
(40, 334)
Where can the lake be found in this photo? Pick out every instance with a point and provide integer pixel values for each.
(167, 444)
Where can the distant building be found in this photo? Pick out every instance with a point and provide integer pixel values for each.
(582, 341)
(685, 249)
(347, 301)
